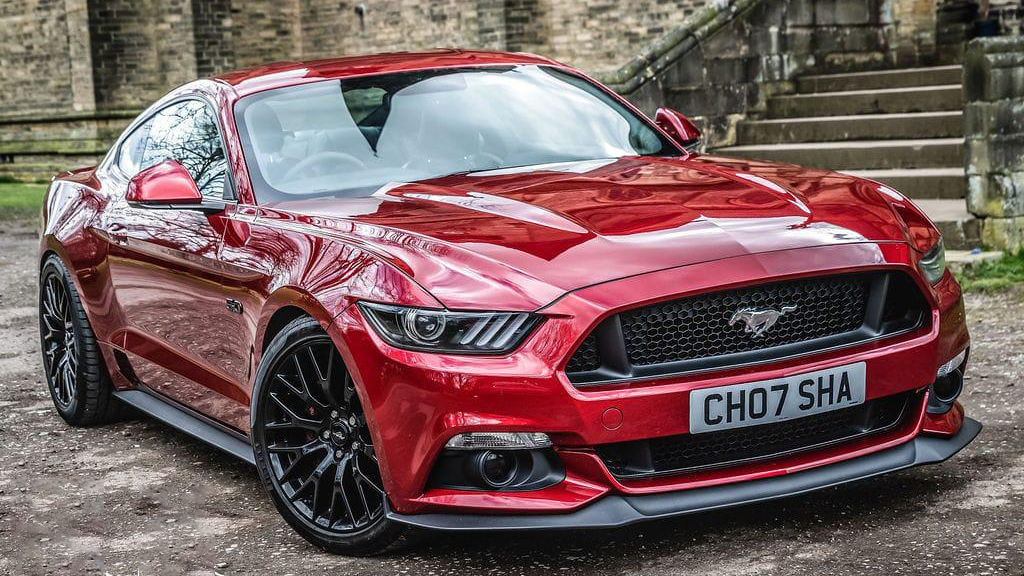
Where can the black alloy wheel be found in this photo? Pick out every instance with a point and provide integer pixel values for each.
(313, 445)
(76, 375)
(60, 345)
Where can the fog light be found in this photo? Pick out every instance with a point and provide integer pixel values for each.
(504, 440)
(495, 468)
(944, 392)
(947, 388)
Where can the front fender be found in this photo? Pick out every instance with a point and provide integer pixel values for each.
(329, 279)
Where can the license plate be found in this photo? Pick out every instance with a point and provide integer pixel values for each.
(767, 401)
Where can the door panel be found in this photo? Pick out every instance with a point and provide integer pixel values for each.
(181, 339)
(169, 285)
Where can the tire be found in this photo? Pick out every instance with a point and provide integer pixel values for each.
(76, 375)
(312, 446)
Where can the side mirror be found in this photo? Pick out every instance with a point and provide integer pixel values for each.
(679, 127)
(168, 185)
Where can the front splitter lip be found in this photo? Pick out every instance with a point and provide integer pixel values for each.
(617, 510)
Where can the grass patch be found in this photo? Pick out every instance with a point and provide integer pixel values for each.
(18, 200)
(1001, 274)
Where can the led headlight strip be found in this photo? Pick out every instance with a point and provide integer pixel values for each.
(447, 331)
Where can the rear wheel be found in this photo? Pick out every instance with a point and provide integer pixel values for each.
(75, 373)
(313, 447)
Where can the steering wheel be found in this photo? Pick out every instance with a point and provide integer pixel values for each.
(320, 158)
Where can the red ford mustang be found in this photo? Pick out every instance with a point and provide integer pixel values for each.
(474, 291)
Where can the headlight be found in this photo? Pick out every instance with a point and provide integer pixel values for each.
(933, 264)
(446, 331)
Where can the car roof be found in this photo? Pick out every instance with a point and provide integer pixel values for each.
(280, 74)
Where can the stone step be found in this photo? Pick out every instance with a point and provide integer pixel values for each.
(859, 154)
(875, 80)
(44, 168)
(960, 229)
(961, 261)
(945, 124)
(939, 183)
(890, 101)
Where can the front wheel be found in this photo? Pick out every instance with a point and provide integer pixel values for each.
(313, 447)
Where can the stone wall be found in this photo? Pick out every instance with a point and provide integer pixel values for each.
(44, 56)
(76, 55)
(994, 128)
(334, 28)
(729, 59)
(69, 63)
(597, 35)
(143, 44)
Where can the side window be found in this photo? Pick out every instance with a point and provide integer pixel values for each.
(187, 132)
(129, 158)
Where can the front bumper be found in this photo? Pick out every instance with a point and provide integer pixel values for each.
(418, 401)
(619, 510)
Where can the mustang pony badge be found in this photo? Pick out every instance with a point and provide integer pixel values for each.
(759, 320)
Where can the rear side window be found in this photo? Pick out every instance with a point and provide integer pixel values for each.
(187, 132)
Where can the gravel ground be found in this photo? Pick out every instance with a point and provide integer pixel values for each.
(139, 498)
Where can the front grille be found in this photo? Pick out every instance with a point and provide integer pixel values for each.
(586, 357)
(689, 452)
(698, 327)
(694, 333)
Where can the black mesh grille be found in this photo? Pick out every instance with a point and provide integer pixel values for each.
(586, 357)
(698, 326)
(729, 447)
(798, 316)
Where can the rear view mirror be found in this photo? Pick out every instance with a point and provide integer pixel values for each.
(679, 127)
(168, 185)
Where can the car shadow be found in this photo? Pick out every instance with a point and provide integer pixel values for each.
(876, 502)
(871, 503)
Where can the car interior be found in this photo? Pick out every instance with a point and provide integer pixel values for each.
(366, 132)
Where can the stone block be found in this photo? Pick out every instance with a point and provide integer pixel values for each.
(852, 62)
(825, 13)
(995, 154)
(801, 13)
(737, 98)
(648, 98)
(694, 101)
(718, 131)
(771, 68)
(767, 14)
(992, 71)
(766, 40)
(1005, 81)
(1003, 233)
(731, 41)
(799, 41)
(996, 195)
(688, 71)
(976, 157)
(848, 39)
(727, 70)
(1000, 118)
(855, 12)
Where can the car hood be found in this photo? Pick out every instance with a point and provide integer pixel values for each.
(520, 238)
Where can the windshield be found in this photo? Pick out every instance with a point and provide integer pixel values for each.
(349, 137)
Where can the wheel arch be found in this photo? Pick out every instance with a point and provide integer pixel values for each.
(278, 320)
(44, 256)
(282, 307)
